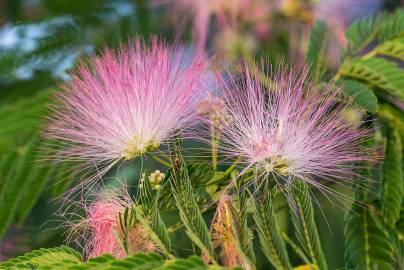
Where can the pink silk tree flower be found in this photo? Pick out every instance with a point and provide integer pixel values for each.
(103, 222)
(227, 14)
(100, 231)
(125, 103)
(290, 129)
(94, 225)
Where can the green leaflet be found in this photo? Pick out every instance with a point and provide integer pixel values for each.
(382, 28)
(271, 241)
(360, 33)
(316, 49)
(241, 236)
(377, 72)
(393, 48)
(303, 221)
(391, 25)
(393, 185)
(148, 196)
(43, 257)
(394, 115)
(400, 224)
(62, 258)
(367, 243)
(37, 184)
(21, 119)
(148, 215)
(362, 96)
(244, 235)
(17, 186)
(24, 167)
(190, 214)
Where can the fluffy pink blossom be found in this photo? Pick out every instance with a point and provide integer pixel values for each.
(99, 231)
(290, 129)
(103, 222)
(125, 103)
(94, 225)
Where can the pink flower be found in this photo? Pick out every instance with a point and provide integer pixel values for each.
(228, 16)
(100, 230)
(94, 225)
(103, 222)
(124, 104)
(290, 129)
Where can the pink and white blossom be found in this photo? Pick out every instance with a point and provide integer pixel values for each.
(125, 103)
(290, 129)
(98, 230)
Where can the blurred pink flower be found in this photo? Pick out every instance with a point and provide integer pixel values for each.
(125, 103)
(340, 13)
(227, 14)
(290, 129)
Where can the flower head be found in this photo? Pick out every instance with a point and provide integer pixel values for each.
(291, 129)
(126, 103)
(100, 230)
(102, 220)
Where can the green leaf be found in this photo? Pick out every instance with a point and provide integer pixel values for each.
(393, 183)
(43, 257)
(148, 196)
(377, 72)
(400, 224)
(382, 28)
(360, 33)
(37, 184)
(362, 96)
(148, 214)
(21, 119)
(270, 238)
(393, 48)
(303, 221)
(395, 116)
(243, 235)
(190, 214)
(13, 191)
(316, 49)
(391, 25)
(64, 258)
(156, 229)
(367, 243)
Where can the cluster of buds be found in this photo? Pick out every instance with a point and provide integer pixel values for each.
(155, 179)
(214, 109)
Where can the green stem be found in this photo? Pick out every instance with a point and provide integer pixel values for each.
(162, 161)
(295, 248)
(214, 146)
